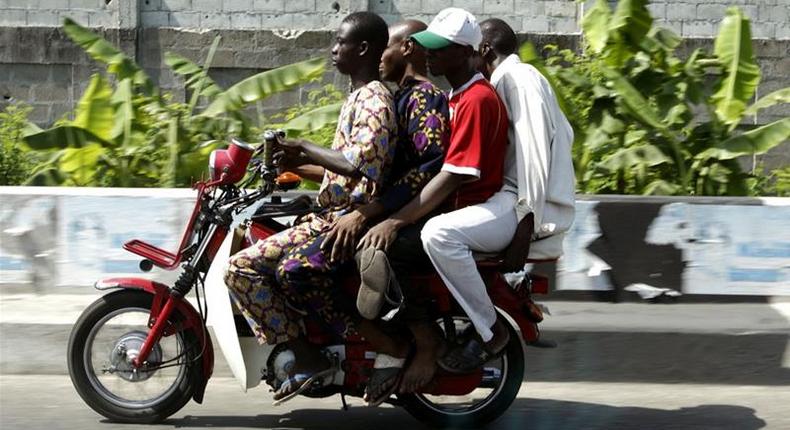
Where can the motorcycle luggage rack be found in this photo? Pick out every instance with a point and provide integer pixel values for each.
(160, 257)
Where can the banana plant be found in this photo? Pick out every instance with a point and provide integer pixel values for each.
(648, 122)
(129, 133)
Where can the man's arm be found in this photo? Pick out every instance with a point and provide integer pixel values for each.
(428, 128)
(301, 154)
(438, 189)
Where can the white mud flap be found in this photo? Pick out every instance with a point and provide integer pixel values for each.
(244, 356)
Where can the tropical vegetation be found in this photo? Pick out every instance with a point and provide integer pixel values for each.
(126, 132)
(648, 122)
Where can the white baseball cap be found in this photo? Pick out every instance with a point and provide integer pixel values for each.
(451, 25)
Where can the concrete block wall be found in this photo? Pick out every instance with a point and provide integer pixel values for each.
(40, 66)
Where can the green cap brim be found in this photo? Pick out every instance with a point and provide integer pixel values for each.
(430, 40)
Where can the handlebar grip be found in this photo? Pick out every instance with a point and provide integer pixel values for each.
(269, 140)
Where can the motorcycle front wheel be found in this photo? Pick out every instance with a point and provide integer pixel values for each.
(501, 382)
(107, 337)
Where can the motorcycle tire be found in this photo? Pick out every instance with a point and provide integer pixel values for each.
(420, 409)
(179, 394)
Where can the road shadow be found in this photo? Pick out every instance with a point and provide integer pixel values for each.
(524, 413)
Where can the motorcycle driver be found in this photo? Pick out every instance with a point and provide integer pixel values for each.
(351, 174)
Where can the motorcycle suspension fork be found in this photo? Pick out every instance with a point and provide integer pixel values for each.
(157, 330)
(182, 286)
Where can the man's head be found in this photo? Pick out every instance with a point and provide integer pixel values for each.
(499, 40)
(359, 42)
(402, 51)
(450, 40)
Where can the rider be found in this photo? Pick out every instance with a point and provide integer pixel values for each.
(539, 179)
(423, 131)
(352, 173)
(472, 171)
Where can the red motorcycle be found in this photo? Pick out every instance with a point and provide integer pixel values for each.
(142, 351)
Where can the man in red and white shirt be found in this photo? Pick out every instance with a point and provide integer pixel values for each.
(465, 192)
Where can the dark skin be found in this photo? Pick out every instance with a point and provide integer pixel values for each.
(490, 58)
(353, 58)
(455, 63)
(400, 62)
(452, 62)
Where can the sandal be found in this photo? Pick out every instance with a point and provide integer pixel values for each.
(385, 369)
(299, 383)
(469, 356)
(375, 274)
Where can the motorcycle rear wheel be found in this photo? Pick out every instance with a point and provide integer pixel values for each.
(478, 413)
(119, 319)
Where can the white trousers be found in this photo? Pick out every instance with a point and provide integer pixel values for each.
(449, 240)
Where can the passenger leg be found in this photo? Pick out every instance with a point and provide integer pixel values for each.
(449, 240)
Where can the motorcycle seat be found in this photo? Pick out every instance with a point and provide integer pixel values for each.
(516, 255)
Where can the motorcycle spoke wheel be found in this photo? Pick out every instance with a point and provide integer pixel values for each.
(107, 337)
(111, 345)
(491, 385)
(498, 388)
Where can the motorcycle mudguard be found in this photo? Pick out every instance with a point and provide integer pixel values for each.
(514, 308)
(193, 321)
(245, 357)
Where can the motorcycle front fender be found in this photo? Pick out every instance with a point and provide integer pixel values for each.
(193, 320)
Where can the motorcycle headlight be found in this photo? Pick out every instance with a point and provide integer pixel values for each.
(230, 165)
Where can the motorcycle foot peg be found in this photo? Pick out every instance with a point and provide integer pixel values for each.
(543, 343)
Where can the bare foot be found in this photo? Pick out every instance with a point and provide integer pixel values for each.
(422, 368)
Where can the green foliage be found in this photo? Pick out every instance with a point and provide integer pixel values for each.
(15, 162)
(648, 122)
(315, 120)
(126, 132)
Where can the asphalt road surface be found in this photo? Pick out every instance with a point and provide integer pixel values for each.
(50, 402)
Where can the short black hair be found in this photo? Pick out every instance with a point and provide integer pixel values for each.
(502, 38)
(369, 27)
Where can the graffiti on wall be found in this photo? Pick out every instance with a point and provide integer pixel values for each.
(686, 247)
(694, 248)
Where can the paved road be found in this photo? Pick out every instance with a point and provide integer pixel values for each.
(619, 366)
(49, 402)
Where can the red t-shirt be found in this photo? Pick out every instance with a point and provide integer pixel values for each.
(478, 141)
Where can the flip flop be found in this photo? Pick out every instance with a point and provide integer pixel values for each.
(469, 356)
(385, 368)
(305, 381)
(375, 274)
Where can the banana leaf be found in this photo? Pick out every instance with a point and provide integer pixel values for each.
(777, 97)
(596, 25)
(64, 136)
(632, 99)
(95, 112)
(265, 84)
(103, 51)
(46, 177)
(313, 120)
(635, 156)
(192, 73)
(733, 47)
(631, 21)
(124, 111)
(757, 141)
